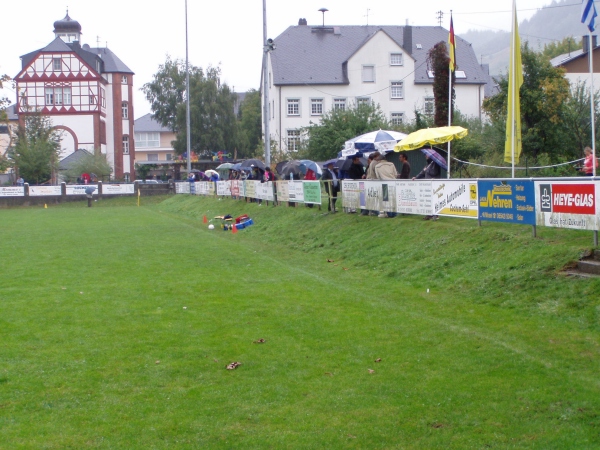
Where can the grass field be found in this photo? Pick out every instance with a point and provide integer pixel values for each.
(117, 323)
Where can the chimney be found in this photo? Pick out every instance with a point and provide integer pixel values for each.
(302, 21)
(407, 39)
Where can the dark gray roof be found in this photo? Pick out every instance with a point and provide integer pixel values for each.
(567, 57)
(110, 63)
(317, 55)
(66, 163)
(146, 124)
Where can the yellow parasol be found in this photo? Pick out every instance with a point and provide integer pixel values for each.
(430, 136)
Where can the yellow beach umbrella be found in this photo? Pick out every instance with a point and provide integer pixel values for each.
(430, 136)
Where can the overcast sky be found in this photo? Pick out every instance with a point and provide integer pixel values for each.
(228, 33)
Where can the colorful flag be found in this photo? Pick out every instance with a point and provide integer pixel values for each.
(589, 14)
(513, 145)
(452, 42)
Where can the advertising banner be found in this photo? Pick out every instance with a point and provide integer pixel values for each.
(18, 191)
(414, 197)
(380, 195)
(224, 188)
(351, 194)
(111, 189)
(250, 188)
(296, 191)
(79, 189)
(38, 191)
(182, 188)
(507, 201)
(567, 204)
(312, 192)
(283, 192)
(455, 198)
(264, 191)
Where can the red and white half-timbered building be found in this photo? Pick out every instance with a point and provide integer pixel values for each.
(86, 92)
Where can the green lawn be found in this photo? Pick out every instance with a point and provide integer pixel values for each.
(117, 323)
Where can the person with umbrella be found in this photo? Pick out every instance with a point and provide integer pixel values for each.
(332, 185)
(431, 170)
(356, 170)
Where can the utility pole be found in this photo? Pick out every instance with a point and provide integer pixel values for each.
(267, 46)
(440, 17)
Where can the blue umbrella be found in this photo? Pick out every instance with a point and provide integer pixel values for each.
(380, 140)
(436, 157)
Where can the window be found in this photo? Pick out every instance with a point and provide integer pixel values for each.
(363, 101)
(56, 64)
(58, 95)
(339, 104)
(152, 157)
(368, 74)
(396, 59)
(147, 139)
(293, 140)
(93, 100)
(103, 98)
(397, 118)
(123, 79)
(316, 106)
(169, 156)
(429, 105)
(125, 110)
(397, 89)
(126, 145)
(293, 106)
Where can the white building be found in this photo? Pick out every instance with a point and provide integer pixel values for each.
(86, 92)
(314, 69)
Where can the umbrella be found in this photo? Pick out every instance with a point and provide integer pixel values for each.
(436, 157)
(290, 167)
(210, 173)
(380, 140)
(345, 163)
(280, 165)
(431, 136)
(307, 164)
(253, 163)
(225, 166)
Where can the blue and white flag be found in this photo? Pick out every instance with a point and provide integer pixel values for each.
(589, 14)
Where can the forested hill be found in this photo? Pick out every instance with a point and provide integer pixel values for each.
(553, 23)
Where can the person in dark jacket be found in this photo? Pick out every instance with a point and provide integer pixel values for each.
(356, 170)
(332, 186)
(405, 172)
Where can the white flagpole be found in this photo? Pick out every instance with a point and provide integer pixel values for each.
(513, 134)
(592, 109)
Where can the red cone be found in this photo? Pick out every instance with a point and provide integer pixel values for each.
(234, 229)
(204, 220)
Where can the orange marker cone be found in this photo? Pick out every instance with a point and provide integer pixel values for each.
(234, 229)
(204, 220)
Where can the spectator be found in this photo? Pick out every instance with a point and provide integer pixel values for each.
(385, 170)
(332, 186)
(405, 172)
(20, 181)
(356, 170)
(431, 170)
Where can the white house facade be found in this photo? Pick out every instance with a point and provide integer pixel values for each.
(86, 92)
(312, 70)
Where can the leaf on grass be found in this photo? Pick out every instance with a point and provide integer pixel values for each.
(81, 292)
(345, 268)
(233, 365)
(378, 360)
(215, 360)
(63, 288)
(330, 260)
(351, 436)
(260, 341)
(335, 265)
(371, 371)
(327, 373)
(156, 362)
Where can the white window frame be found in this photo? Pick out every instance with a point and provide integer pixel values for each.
(366, 70)
(124, 79)
(290, 103)
(147, 139)
(316, 106)
(396, 59)
(293, 139)
(397, 90)
(339, 104)
(126, 145)
(152, 156)
(363, 101)
(429, 105)
(125, 110)
(394, 116)
(56, 64)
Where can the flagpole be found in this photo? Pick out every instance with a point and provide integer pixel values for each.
(451, 69)
(592, 109)
(513, 131)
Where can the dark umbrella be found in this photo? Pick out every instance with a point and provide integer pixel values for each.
(279, 166)
(253, 163)
(345, 163)
(436, 157)
(292, 167)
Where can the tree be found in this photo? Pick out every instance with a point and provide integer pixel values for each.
(250, 126)
(326, 139)
(95, 163)
(213, 122)
(577, 117)
(438, 61)
(543, 95)
(142, 170)
(554, 49)
(4, 102)
(37, 149)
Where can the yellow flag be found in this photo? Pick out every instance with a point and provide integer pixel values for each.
(515, 80)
